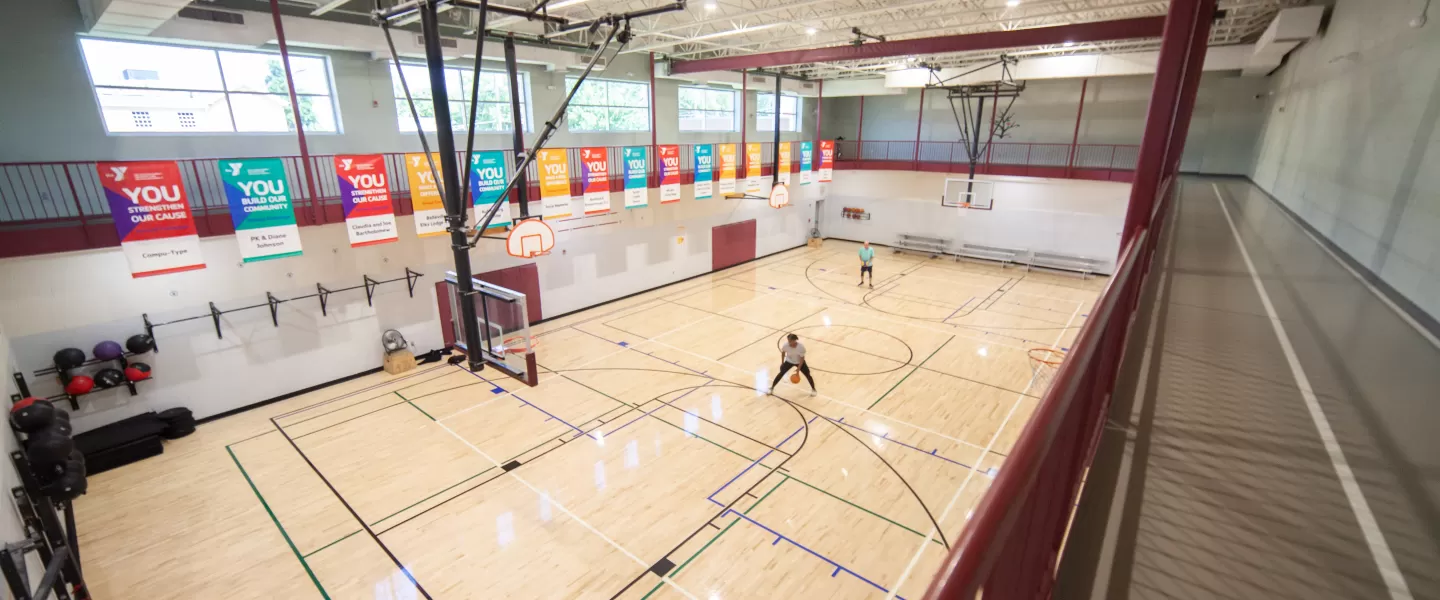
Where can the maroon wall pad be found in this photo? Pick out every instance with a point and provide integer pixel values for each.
(732, 244)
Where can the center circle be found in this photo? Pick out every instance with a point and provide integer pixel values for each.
(780, 343)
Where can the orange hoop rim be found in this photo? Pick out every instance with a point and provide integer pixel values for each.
(1052, 363)
(534, 343)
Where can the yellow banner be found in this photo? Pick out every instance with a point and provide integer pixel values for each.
(425, 195)
(727, 167)
(785, 163)
(752, 168)
(554, 183)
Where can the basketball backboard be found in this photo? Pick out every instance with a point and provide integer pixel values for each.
(504, 321)
(969, 194)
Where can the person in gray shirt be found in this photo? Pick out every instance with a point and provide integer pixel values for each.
(792, 354)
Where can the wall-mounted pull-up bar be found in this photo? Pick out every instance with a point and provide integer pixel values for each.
(368, 284)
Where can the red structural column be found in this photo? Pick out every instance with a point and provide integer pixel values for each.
(744, 110)
(295, 108)
(919, 120)
(1164, 103)
(1075, 139)
(819, 109)
(1189, 86)
(860, 131)
(654, 132)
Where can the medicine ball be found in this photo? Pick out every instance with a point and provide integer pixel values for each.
(69, 358)
(48, 447)
(61, 415)
(140, 343)
(108, 378)
(32, 414)
(137, 371)
(79, 385)
(108, 350)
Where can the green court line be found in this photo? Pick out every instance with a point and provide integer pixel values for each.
(697, 553)
(907, 375)
(283, 534)
(407, 401)
(383, 519)
(347, 536)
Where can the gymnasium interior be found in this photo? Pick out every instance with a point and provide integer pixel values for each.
(720, 299)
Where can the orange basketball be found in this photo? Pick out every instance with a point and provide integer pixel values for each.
(794, 378)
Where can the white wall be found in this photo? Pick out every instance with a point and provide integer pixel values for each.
(79, 298)
(1221, 140)
(1349, 142)
(1080, 218)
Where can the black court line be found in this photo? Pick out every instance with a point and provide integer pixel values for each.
(354, 514)
(344, 396)
(386, 407)
(711, 312)
(779, 329)
(780, 345)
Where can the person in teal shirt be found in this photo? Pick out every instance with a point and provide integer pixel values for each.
(867, 264)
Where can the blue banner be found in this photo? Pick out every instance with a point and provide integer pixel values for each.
(704, 170)
(637, 177)
(487, 179)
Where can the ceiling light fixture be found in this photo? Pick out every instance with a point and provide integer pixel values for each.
(811, 31)
(711, 5)
(1012, 3)
(1068, 44)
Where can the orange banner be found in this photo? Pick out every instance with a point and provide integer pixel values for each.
(785, 163)
(752, 168)
(554, 169)
(727, 167)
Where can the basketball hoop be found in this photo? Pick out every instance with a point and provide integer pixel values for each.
(779, 196)
(1050, 359)
(516, 345)
(530, 238)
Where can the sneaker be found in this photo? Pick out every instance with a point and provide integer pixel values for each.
(813, 392)
(862, 282)
(872, 286)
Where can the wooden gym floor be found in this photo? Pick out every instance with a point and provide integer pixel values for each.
(645, 464)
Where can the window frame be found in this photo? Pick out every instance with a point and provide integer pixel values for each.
(648, 108)
(780, 107)
(224, 91)
(526, 106)
(734, 111)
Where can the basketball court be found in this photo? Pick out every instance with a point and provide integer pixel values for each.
(648, 462)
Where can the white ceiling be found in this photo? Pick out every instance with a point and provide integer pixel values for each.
(713, 28)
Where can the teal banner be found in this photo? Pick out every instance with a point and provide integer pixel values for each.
(487, 178)
(259, 196)
(637, 177)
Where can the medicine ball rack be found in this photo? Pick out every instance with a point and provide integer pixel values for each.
(123, 360)
(273, 303)
(57, 544)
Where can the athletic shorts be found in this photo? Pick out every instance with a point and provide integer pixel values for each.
(869, 269)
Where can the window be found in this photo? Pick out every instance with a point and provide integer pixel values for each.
(705, 109)
(190, 90)
(765, 112)
(605, 105)
(492, 112)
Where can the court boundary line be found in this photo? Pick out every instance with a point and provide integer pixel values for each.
(1379, 548)
(289, 542)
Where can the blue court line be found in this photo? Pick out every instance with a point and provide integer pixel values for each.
(652, 411)
(838, 567)
(494, 390)
(757, 461)
(527, 403)
(962, 307)
(886, 437)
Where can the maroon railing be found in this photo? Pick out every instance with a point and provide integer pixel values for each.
(1010, 547)
(1103, 162)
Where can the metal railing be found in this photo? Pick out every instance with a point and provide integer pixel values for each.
(1010, 547)
(1080, 161)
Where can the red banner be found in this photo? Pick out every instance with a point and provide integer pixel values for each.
(152, 216)
(669, 174)
(827, 160)
(365, 196)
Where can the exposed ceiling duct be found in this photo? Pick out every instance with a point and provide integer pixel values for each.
(127, 17)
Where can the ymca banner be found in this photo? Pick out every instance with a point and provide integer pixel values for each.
(704, 171)
(554, 183)
(369, 216)
(487, 178)
(752, 168)
(827, 160)
(637, 177)
(807, 162)
(425, 195)
(595, 180)
(669, 174)
(260, 207)
(152, 216)
(727, 167)
(785, 163)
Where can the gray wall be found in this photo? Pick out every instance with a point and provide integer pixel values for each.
(1222, 136)
(51, 115)
(1349, 142)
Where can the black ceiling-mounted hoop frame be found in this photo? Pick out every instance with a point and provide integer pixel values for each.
(968, 117)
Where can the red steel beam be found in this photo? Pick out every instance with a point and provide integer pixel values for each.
(295, 108)
(1079, 112)
(1100, 31)
(1164, 103)
(1189, 87)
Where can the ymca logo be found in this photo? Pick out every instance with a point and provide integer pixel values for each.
(234, 169)
(118, 173)
(414, 161)
(345, 163)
